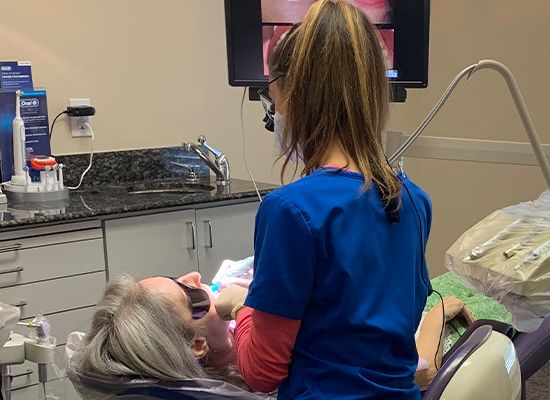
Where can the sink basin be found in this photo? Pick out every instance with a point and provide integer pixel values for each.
(167, 187)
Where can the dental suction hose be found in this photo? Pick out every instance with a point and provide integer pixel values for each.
(518, 100)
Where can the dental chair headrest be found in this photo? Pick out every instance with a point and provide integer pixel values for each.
(95, 387)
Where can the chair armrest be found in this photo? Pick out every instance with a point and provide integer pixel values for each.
(447, 371)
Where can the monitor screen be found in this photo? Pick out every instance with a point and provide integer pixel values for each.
(254, 27)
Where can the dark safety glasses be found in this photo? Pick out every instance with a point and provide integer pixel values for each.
(198, 299)
(268, 104)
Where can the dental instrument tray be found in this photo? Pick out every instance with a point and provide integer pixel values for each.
(506, 256)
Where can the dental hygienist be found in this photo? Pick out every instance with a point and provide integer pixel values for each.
(340, 277)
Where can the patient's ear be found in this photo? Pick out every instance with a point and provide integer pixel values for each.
(199, 347)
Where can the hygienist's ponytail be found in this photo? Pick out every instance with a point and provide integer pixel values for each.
(334, 88)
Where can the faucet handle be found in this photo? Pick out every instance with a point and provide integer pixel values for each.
(202, 140)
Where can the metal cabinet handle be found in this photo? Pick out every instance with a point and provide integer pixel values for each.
(22, 303)
(11, 271)
(13, 247)
(27, 373)
(193, 235)
(210, 232)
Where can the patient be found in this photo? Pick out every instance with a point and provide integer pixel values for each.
(168, 329)
(150, 329)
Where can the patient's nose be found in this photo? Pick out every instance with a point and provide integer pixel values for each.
(192, 278)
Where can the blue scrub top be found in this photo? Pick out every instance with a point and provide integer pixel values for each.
(326, 254)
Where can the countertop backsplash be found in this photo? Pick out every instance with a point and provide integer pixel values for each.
(117, 167)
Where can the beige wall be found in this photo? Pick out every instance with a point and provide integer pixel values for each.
(156, 73)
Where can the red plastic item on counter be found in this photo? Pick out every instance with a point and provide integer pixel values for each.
(40, 163)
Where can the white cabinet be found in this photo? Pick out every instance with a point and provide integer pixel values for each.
(224, 233)
(57, 271)
(158, 244)
(179, 242)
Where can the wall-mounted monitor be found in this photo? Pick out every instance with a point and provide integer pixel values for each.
(254, 27)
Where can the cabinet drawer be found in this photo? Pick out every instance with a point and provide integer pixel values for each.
(38, 237)
(31, 392)
(31, 264)
(26, 374)
(25, 393)
(55, 295)
(65, 323)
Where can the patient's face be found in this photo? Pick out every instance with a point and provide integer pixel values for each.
(211, 326)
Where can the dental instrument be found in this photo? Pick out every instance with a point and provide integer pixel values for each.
(233, 272)
(38, 347)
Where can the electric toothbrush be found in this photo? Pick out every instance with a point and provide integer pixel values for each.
(19, 152)
(21, 188)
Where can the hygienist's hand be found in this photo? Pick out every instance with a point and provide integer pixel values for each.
(454, 307)
(230, 302)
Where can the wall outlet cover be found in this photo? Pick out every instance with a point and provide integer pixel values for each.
(78, 124)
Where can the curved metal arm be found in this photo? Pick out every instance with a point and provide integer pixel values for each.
(431, 115)
(518, 100)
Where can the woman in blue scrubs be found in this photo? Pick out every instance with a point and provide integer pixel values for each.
(340, 275)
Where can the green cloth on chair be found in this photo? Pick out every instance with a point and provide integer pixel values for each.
(482, 306)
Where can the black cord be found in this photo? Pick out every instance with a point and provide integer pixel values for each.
(422, 274)
(422, 264)
(55, 119)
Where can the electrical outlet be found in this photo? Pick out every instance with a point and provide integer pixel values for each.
(78, 124)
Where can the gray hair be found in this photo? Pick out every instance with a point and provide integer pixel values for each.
(135, 332)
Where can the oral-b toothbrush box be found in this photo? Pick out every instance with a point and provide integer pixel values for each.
(15, 75)
(34, 111)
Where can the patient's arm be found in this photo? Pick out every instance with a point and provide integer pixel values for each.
(430, 332)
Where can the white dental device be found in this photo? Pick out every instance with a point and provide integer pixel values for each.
(19, 178)
(21, 188)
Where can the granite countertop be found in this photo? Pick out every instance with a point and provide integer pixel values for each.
(107, 194)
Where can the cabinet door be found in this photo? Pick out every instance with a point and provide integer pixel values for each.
(225, 232)
(159, 244)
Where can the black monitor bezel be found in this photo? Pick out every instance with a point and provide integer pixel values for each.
(237, 10)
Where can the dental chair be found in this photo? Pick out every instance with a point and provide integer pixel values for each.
(485, 364)
(96, 388)
(491, 361)
(93, 387)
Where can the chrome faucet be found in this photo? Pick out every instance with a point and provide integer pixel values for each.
(220, 166)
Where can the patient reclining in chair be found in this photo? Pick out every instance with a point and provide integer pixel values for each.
(164, 328)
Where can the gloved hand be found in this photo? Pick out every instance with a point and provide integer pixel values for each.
(235, 272)
(230, 302)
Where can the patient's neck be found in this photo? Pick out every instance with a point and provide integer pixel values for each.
(221, 347)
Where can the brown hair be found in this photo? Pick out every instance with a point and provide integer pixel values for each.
(334, 87)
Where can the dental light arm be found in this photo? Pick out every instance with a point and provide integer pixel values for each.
(518, 100)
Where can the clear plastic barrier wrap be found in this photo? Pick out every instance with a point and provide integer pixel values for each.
(9, 315)
(91, 387)
(506, 256)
